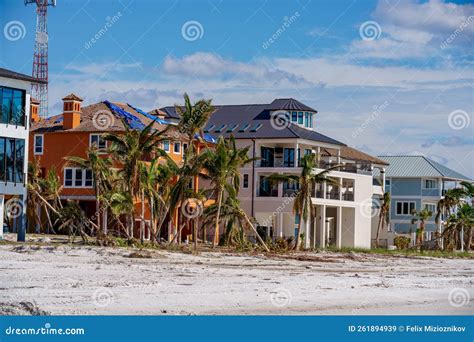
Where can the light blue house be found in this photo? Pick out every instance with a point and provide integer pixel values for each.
(416, 182)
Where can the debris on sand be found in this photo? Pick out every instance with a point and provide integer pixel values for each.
(21, 309)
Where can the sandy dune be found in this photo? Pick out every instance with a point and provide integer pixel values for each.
(42, 279)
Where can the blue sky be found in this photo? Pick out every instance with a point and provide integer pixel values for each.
(386, 76)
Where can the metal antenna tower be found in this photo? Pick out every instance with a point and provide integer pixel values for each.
(40, 57)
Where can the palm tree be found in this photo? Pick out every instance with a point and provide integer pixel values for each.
(306, 183)
(223, 166)
(35, 203)
(129, 148)
(193, 118)
(468, 189)
(421, 216)
(383, 216)
(450, 200)
(462, 220)
(100, 167)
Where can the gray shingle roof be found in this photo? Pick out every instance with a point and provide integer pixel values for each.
(254, 114)
(418, 167)
(17, 76)
(289, 104)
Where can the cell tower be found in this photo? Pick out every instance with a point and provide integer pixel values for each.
(40, 57)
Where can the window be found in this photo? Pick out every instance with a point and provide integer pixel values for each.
(429, 184)
(209, 128)
(306, 119)
(89, 180)
(232, 128)
(243, 128)
(177, 148)
(430, 206)
(185, 147)
(220, 129)
(300, 118)
(308, 151)
(75, 177)
(388, 184)
(267, 154)
(256, 127)
(98, 140)
(405, 208)
(166, 145)
(38, 143)
(19, 161)
(294, 116)
(12, 160)
(289, 157)
(12, 108)
(310, 120)
(68, 177)
(245, 184)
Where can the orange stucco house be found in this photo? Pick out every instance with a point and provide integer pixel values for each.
(72, 132)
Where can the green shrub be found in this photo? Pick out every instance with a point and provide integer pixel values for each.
(402, 242)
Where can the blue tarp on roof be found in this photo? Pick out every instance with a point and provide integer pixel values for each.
(207, 137)
(132, 121)
(149, 116)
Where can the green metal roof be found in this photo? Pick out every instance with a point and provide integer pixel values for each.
(418, 166)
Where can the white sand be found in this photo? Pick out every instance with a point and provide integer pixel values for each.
(96, 281)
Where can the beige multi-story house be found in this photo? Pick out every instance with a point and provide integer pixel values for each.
(278, 134)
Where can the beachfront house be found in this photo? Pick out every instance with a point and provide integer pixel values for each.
(415, 182)
(14, 123)
(342, 211)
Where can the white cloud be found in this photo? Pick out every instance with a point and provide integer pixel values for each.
(417, 30)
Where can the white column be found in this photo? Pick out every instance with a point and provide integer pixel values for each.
(324, 190)
(339, 227)
(319, 156)
(340, 188)
(323, 226)
(339, 156)
(297, 146)
(315, 230)
(2, 210)
(307, 223)
(280, 225)
(382, 171)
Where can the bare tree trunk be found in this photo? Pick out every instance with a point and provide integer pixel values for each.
(195, 234)
(216, 231)
(297, 243)
(255, 230)
(379, 228)
(142, 218)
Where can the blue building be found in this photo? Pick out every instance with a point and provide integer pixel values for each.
(416, 182)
